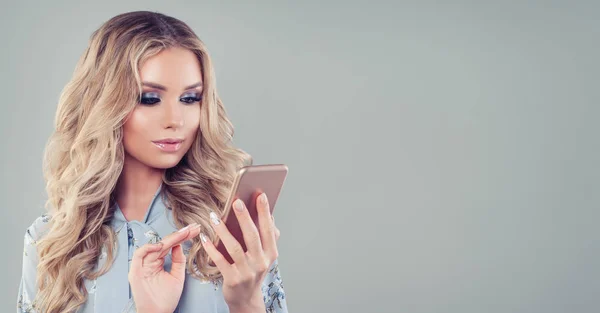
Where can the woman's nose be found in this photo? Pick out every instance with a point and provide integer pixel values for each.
(173, 115)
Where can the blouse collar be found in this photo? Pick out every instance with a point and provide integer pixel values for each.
(154, 211)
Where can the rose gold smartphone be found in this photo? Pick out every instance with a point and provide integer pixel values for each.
(250, 182)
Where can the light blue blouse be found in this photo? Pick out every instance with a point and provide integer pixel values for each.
(111, 292)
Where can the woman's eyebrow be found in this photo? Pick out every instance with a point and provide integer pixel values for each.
(163, 88)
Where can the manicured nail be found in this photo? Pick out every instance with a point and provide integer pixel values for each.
(203, 237)
(263, 198)
(214, 218)
(238, 205)
(185, 228)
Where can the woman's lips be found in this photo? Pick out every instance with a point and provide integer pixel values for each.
(168, 146)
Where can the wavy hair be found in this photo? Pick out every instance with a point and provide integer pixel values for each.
(83, 158)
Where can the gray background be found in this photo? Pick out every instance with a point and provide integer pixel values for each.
(443, 156)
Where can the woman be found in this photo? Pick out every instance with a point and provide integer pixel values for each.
(137, 172)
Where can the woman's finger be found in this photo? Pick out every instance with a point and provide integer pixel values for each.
(249, 230)
(267, 226)
(178, 262)
(153, 264)
(141, 252)
(233, 247)
(216, 256)
(178, 237)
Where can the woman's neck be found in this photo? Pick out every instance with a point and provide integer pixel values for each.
(136, 187)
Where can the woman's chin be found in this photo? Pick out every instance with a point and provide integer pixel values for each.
(165, 162)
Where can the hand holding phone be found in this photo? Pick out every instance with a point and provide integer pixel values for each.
(249, 183)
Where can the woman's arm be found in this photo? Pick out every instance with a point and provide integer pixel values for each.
(27, 286)
(273, 292)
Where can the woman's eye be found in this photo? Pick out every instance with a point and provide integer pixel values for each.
(149, 98)
(191, 99)
(149, 101)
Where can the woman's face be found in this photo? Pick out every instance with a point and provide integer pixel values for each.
(164, 124)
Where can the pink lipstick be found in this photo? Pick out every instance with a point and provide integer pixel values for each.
(168, 144)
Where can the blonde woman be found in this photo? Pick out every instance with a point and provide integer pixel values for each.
(137, 172)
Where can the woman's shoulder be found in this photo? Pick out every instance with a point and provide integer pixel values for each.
(38, 228)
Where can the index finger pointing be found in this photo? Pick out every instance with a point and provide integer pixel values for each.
(178, 237)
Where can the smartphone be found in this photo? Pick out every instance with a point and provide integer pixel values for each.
(249, 183)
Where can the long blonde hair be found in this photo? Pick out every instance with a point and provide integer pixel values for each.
(84, 156)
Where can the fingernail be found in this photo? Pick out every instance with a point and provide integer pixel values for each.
(203, 237)
(214, 218)
(238, 205)
(185, 228)
(263, 198)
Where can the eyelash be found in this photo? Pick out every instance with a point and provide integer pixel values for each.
(142, 99)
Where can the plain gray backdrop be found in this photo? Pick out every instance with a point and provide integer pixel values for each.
(443, 156)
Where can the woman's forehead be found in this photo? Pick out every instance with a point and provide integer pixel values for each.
(174, 68)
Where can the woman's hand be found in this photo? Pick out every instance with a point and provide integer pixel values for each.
(155, 290)
(242, 280)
